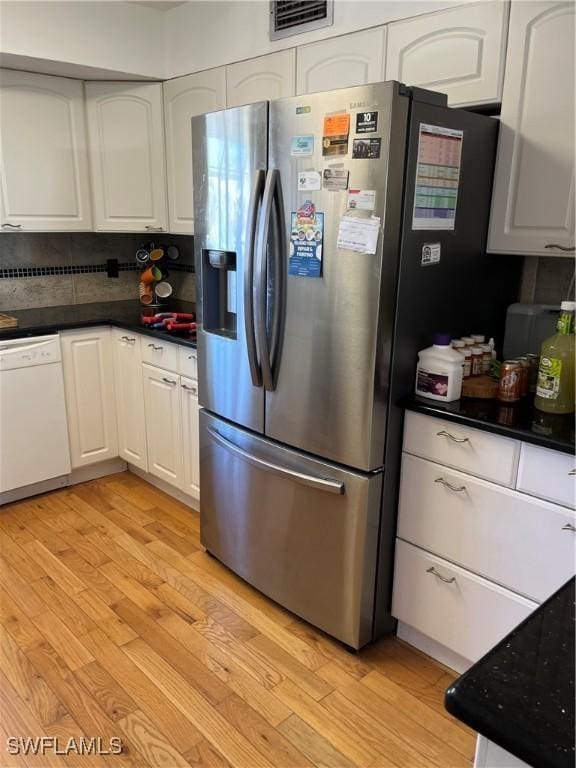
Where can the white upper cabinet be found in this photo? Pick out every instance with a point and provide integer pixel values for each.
(460, 52)
(43, 163)
(340, 62)
(267, 77)
(185, 97)
(126, 148)
(533, 197)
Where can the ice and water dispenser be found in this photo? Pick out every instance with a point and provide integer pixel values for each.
(219, 292)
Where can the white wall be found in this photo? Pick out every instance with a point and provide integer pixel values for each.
(115, 36)
(208, 33)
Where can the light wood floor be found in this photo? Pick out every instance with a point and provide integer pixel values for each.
(114, 622)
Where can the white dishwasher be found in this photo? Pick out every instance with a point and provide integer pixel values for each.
(33, 425)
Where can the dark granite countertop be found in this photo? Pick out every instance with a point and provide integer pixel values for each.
(521, 694)
(123, 314)
(520, 421)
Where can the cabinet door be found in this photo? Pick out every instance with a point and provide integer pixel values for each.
(185, 97)
(341, 62)
(43, 160)
(190, 442)
(533, 198)
(460, 52)
(130, 398)
(90, 402)
(126, 149)
(265, 78)
(163, 424)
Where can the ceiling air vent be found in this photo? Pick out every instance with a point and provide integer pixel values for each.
(289, 17)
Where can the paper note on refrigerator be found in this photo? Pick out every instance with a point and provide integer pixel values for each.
(359, 234)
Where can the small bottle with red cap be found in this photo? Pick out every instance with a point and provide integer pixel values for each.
(439, 371)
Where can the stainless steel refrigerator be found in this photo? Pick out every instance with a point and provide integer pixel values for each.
(322, 267)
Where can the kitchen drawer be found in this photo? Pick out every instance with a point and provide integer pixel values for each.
(547, 474)
(471, 450)
(520, 542)
(160, 353)
(465, 613)
(188, 362)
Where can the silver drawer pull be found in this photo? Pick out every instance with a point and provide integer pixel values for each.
(190, 389)
(150, 228)
(443, 433)
(191, 357)
(446, 484)
(572, 472)
(569, 527)
(168, 381)
(7, 225)
(128, 339)
(557, 247)
(433, 571)
(156, 348)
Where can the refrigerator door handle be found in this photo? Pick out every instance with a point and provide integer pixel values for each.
(320, 483)
(251, 229)
(271, 222)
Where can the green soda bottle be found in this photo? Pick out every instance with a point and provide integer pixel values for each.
(555, 386)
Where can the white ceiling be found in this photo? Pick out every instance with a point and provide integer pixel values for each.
(161, 5)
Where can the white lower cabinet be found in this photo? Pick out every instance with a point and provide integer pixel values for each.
(130, 398)
(90, 402)
(490, 755)
(190, 437)
(474, 557)
(452, 606)
(163, 424)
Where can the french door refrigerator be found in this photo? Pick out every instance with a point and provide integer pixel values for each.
(310, 232)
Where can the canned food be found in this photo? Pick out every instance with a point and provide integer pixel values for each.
(476, 361)
(486, 357)
(525, 377)
(509, 385)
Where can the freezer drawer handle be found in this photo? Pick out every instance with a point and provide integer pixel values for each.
(434, 572)
(569, 527)
(253, 209)
(572, 472)
(443, 433)
(320, 483)
(448, 485)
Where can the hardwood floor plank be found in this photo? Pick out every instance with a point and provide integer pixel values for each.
(215, 728)
(391, 749)
(62, 640)
(80, 543)
(267, 740)
(204, 681)
(17, 623)
(152, 744)
(226, 669)
(105, 617)
(331, 649)
(54, 567)
(57, 601)
(333, 728)
(26, 567)
(288, 666)
(87, 713)
(176, 728)
(204, 755)
(181, 543)
(28, 683)
(318, 749)
(402, 726)
(111, 697)
(19, 589)
(444, 728)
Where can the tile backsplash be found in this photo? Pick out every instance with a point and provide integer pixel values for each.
(52, 269)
